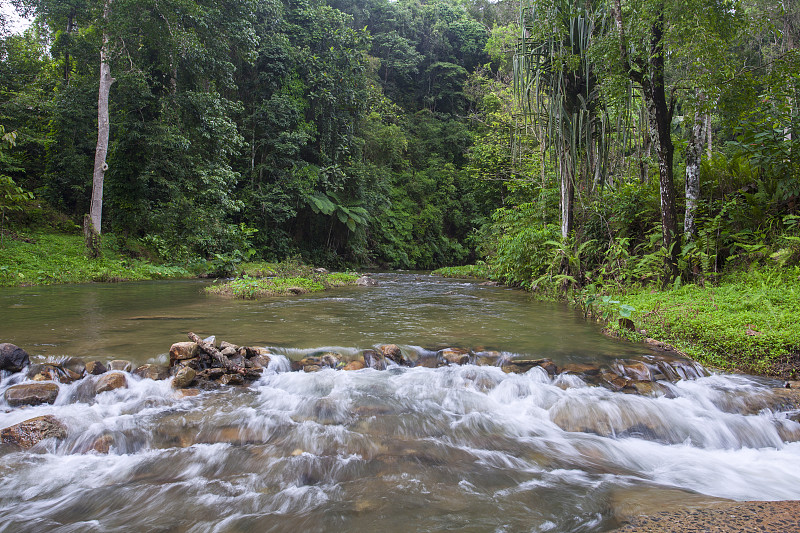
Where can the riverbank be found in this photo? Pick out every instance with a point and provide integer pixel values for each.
(746, 322)
(46, 258)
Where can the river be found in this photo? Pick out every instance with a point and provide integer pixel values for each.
(456, 448)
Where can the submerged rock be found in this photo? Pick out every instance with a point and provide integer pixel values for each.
(488, 358)
(111, 381)
(13, 358)
(393, 353)
(453, 356)
(75, 365)
(520, 366)
(122, 365)
(30, 432)
(52, 372)
(373, 359)
(31, 394)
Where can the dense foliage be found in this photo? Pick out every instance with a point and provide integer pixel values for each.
(418, 133)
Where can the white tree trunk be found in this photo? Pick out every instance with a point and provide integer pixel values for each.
(694, 152)
(92, 226)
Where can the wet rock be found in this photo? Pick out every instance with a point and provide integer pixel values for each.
(366, 281)
(312, 368)
(613, 381)
(184, 377)
(429, 360)
(581, 369)
(354, 365)
(229, 351)
(31, 394)
(489, 358)
(102, 444)
(489, 284)
(210, 374)
(393, 353)
(520, 366)
(648, 388)
(12, 357)
(330, 360)
(51, 372)
(259, 361)
(182, 350)
(111, 381)
(95, 368)
(154, 372)
(634, 370)
(76, 365)
(453, 356)
(28, 433)
(373, 359)
(186, 393)
(231, 379)
(254, 351)
(122, 365)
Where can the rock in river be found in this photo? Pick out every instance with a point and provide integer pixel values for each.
(31, 394)
(27, 433)
(120, 364)
(184, 377)
(12, 357)
(154, 372)
(111, 381)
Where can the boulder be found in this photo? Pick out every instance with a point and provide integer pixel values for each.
(393, 353)
(231, 379)
(28, 433)
(488, 358)
(52, 372)
(182, 350)
(111, 381)
(154, 372)
(95, 368)
(31, 394)
(102, 444)
(354, 365)
(122, 365)
(520, 366)
(75, 365)
(581, 369)
(635, 370)
(12, 357)
(366, 281)
(453, 356)
(373, 359)
(184, 377)
(259, 361)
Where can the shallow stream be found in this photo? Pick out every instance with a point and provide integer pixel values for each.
(456, 448)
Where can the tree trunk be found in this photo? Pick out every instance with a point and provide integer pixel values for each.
(567, 201)
(92, 223)
(694, 152)
(660, 119)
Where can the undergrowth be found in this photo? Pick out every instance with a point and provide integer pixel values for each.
(249, 287)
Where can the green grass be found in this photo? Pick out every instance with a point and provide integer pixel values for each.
(249, 288)
(47, 258)
(749, 322)
(479, 270)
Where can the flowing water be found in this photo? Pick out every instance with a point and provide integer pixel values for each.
(457, 448)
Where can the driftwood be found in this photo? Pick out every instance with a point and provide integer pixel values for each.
(211, 350)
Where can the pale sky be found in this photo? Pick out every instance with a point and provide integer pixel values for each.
(15, 23)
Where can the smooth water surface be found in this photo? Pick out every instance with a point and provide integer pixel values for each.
(139, 321)
(459, 448)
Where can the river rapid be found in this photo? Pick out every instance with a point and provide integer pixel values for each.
(455, 448)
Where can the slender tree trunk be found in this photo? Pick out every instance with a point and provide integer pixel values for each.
(694, 152)
(70, 27)
(91, 223)
(567, 199)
